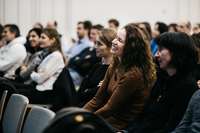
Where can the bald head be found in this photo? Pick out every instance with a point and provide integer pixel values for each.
(52, 24)
(184, 26)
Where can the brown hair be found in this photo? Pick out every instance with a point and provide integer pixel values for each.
(137, 53)
(143, 30)
(52, 33)
(107, 35)
(114, 21)
(196, 39)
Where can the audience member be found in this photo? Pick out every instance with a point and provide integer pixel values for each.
(172, 27)
(1, 31)
(80, 65)
(184, 26)
(90, 86)
(83, 29)
(27, 66)
(158, 29)
(64, 41)
(127, 83)
(196, 71)
(48, 65)
(12, 51)
(191, 119)
(94, 32)
(114, 24)
(147, 26)
(38, 26)
(174, 86)
(196, 28)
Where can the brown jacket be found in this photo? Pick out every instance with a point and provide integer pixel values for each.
(120, 100)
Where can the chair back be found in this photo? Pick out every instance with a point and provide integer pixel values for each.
(2, 102)
(14, 114)
(37, 119)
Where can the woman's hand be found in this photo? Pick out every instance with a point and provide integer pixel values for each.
(100, 83)
(2, 42)
(198, 83)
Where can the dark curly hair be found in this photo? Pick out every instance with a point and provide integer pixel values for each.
(137, 53)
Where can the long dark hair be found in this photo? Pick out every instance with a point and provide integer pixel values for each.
(31, 49)
(137, 53)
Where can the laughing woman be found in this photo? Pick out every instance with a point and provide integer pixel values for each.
(128, 80)
(177, 56)
(48, 65)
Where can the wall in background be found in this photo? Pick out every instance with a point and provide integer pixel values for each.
(25, 13)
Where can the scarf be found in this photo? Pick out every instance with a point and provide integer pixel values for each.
(40, 58)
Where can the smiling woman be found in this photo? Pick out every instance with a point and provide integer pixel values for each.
(128, 80)
(177, 56)
(48, 65)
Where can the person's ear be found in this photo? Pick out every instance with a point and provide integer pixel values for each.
(52, 40)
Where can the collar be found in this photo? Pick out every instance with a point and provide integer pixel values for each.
(83, 40)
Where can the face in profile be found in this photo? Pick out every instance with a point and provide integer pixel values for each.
(196, 29)
(93, 35)
(34, 39)
(164, 57)
(182, 27)
(118, 43)
(155, 32)
(80, 31)
(7, 35)
(45, 41)
(102, 50)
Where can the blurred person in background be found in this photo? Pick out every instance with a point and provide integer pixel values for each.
(1, 31)
(114, 24)
(172, 27)
(12, 50)
(64, 41)
(196, 28)
(27, 66)
(38, 25)
(184, 26)
(147, 26)
(82, 63)
(158, 29)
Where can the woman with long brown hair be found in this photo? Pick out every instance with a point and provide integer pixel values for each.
(128, 80)
(90, 86)
(48, 65)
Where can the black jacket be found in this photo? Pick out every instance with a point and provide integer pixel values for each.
(166, 105)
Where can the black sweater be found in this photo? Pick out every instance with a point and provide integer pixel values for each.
(95, 76)
(82, 63)
(196, 72)
(165, 107)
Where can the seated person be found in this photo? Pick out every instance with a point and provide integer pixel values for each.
(158, 29)
(12, 51)
(83, 30)
(48, 65)
(174, 86)
(80, 65)
(90, 85)
(27, 66)
(128, 80)
(191, 119)
(196, 71)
